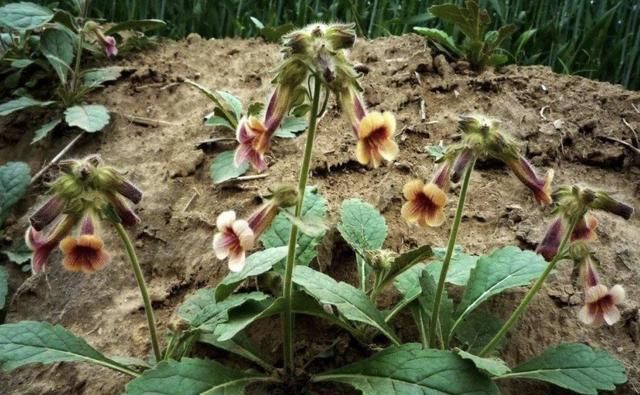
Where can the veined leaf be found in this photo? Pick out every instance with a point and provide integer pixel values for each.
(351, 302)
(44, 130)
(410, 369)
(223, 169)
(239, 345)
(459, 268)
(477, 330)
(361, 225)
(96, 77)
(58, 47)
(256, 264)
(91, 117)
(193, 377)
(14, 181)
(21, 103)
(573, 366)
(290, 127)
(24, 16)
(39, 342)
(4, 286)
(491, 366)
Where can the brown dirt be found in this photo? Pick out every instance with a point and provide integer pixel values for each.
(174, 241)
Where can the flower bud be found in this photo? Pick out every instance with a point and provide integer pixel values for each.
(380, 259)
(602, 201)
(297, 42)
(284, 195)
(42, 245)
(352, 106)
(527, 174)
(550, 243)
(441, 178)
(341, 36)
(460, 164)
(49, 211)
(108, 179)
(125, 213)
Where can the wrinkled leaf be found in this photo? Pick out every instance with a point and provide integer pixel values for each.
(90, 118)
(573, 366)
(21, 103)
(96, 77)
(439, 37)
(58, 47)
(491, 366)
(290, 127)
(410, 369)
(193, 377)
(459, 268)
(45, 129)
(14, 181)
(361, 225)
(477, 330)
(24, 16)
(223, 169)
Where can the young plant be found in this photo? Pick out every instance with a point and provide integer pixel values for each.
(479, 47)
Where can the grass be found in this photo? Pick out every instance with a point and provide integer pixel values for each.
(598, 39)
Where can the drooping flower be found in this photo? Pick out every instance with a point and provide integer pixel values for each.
(85, 253)
(602, 201)
(585, 228)
(43, 244)
(425, 203)
(460, 164)
(600, 305)
(254, 141)
(233, 239)
(375, 139)
(108, 43)
(550, 243)
(541, 187)
(48, 212)
(353, 107)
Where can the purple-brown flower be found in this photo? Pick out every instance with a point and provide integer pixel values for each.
(255, 140)
(600, 305)
(85, 253)
(43, 244)
(541, 187)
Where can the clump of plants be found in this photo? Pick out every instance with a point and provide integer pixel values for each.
(479, 47)
(457, 351)
(38, 43)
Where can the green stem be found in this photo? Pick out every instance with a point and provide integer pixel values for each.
(137, 271)
(447, 258)
(76, 69)
(422, 328)
(532, 292)
(293, 234)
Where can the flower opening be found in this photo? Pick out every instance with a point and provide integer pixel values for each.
(600, 305)
(233, 239)
(85, 253)
(254, 140)
(375, 139)
(425, 204)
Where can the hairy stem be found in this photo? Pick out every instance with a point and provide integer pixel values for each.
(137, 271)
(293, 234)
(522, 307)
(447, 258)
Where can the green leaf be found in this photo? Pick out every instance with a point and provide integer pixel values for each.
(4, 286)
(459, 268)
(239, 345)
(39, 342)
(410, 369)
(214, 120)
(361, 225)
(232, 103)
(223, 101)
(351, 302)
(24, 16)
(439, 37)
(193, 377)
(223, 169)
(277, 234)
(505, 268)
(256, 264)
(255, 109)
(90, 118)
(408, 284)
(437, 151)
(14, 181)
(491, 366)
(44, 130)
(96, 77)
(58, 47)
(477, 330)
(21, 103)
(290, 127)
(407, 260)
(573, 366)
(141, 25)
(426, 301)
(308, 225)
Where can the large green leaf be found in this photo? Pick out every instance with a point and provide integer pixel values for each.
(24, 16)
(505, 268)
(477, 330)
(40, 342)
(574, 366)
(21, 103)
(491, 366)
(439, 37)
(14, 181)
(351, 302)
(223, 169)
(459, 268)
(90, 118)
(193, 377)
(410, 369)
(58, 46)
(4, 286)
(256, 264)
(141, 25)
(314, 206)
(426, 301)
(239, 345)
(96, 77)
(361, 225)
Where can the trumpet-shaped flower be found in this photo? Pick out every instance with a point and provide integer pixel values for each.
(375, 139)
(48, 212)
(600, 305)
(43, 244)
(254, 139)
(85, 253)
(541, 187)
(585, 228)
(233, 239)
(425, 203)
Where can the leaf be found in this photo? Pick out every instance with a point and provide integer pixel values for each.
(255, 109)
(58, 47)
(426, 301)
(437, 151)
(14, 181)
(290, 127)
(96, 77)
(4, 286)
(220, 102)
(308, 225)
(410, 369)
(21, 103)
(223, 169)
(256, 264)
(39, 342)
(24, 16)
(193, 376)
(277, 234)
(505, 268)
(44, 130)
(90, 118)
(239, 345)
(141, 25)
(257, 23)
(467, 19)
(214, 120)
(231, 103)
(407, 260)
(361, 225)
(459, 268)
(491, 366)
(351, 302)
(439, 37)
(477, 330)
(573, 366)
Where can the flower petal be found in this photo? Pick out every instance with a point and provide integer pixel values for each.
(595, 293)
(369, 124)
(389, 122)
(236, 261)
(585, 316)
(389, 150)
(410, 212)
(611, 314)
(617, 294)
(220, 247)
(225, 220)
(412, 189)
(437, 196)
(244, 234)
(362, 153)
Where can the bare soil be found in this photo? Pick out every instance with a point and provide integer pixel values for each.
(564, 122)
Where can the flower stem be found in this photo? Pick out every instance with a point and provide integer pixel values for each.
(137, 271)
(447, 258)
(522, 307)
(76, 70)
(287, 326)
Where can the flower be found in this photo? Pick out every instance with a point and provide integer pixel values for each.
(254, 140)
(85, 253)
(550, 243)
(42, 245)
(602, 201)
(233, 239)
(353, 107)
(425, 203)
(375, 139)
(460, 164)
(600, 305)
(585, 228)
(48, 212)
(526, 173)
